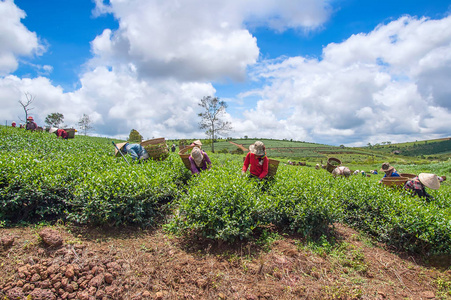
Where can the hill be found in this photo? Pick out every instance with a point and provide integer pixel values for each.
(152, 231)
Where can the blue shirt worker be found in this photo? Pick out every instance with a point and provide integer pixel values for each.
(136, 151)
(390, 171)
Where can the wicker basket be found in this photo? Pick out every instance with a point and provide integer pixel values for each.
(410, 176)
(273, 165)
(156, 148)
(332, 163)
(394, 181)
(184, 155)
(70, 132)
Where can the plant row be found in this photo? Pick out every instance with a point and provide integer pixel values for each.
(80, 180)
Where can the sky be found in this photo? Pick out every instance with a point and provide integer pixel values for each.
(336, 72)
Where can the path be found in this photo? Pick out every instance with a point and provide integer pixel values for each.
(239, 146)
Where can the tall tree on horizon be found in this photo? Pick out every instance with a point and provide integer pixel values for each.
(85, 124)
(211, 118)
(25, 105)
(54, 119)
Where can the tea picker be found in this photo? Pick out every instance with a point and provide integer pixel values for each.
(118, 150)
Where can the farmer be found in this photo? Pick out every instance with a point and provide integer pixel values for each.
(31, 124)
(390, 171)
(417, 185)
(59, 133)
(257, 159)
(13, 124)
(341, 171)
(173, 148)
(136, 151)
(199, 161)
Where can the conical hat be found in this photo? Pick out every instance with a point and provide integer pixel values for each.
(119, 146)
(197, 142)
(429, 180)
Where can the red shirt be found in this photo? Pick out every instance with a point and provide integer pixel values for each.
(61, 133)
(257, 169)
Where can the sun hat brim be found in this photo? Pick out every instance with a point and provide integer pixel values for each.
(429, 180)
(255, 151)
(119, 146)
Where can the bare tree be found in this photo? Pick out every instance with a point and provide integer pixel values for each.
(85, 124)
(25, 105)
(211, 118)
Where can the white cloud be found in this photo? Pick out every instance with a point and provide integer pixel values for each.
(15, 39)
(197, 40)
(388, 84)
(391, 84)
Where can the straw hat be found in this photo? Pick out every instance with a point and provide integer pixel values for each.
(197, 155)
(386, 167)
(119, 146)
(258, 148)
(52, 130)
(429, 180)
(30, 118)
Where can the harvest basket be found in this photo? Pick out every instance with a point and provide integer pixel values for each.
(395, 181)
(156, 148)
(332, 163)
(70, 132)
(409, 176)
(272, 167)
(184, 155)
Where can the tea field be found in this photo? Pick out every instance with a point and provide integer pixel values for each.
(44, 179)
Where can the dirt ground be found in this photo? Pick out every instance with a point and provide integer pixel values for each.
(136, 264)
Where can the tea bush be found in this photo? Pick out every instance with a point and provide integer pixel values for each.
(220, 204)
(44, 178)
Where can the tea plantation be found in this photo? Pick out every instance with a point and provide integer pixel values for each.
(44, 179)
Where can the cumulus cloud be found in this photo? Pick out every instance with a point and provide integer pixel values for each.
(15, 39)
(390, 84)
(195, 40)
(151, 72)
(385, 85)
(115, 103)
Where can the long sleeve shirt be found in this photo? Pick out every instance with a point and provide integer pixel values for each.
(393, 174)
(256, 169)
(62, 133)
(135, 150)
(206, 164)
(417, 188)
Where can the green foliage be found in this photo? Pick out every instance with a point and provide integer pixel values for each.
(54, 119)
(79, 180)
(237, 151)
(219, 205)
(135, 137)
(47, 179)
(224, 150)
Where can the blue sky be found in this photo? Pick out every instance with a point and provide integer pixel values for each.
(336, 72)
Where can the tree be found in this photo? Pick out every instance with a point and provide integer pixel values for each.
(135, 137)
(54, 119)
(211, 118)
(85, 124)
(25, 104)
